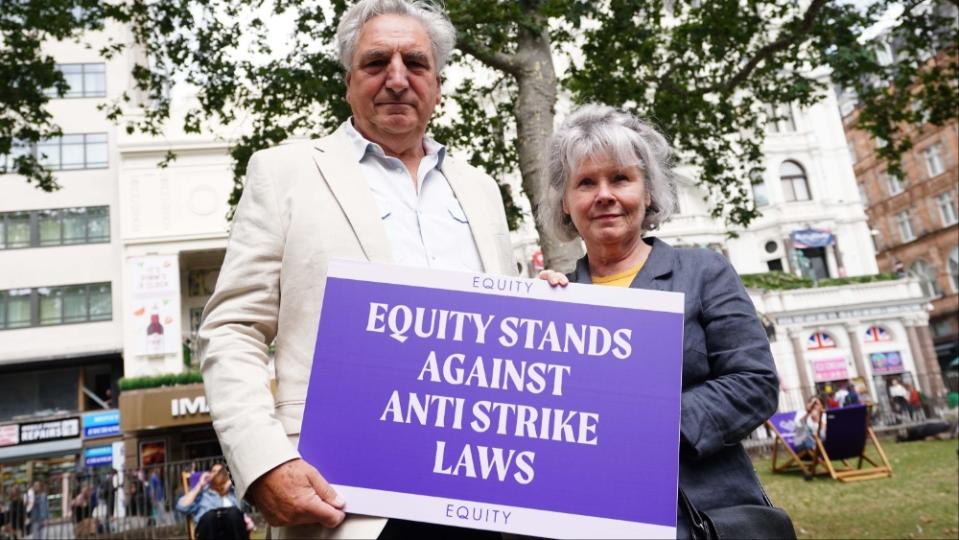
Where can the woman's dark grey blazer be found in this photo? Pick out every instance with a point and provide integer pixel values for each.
(730, 386)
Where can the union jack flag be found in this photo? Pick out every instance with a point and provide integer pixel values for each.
(820, 340)
(877, 333)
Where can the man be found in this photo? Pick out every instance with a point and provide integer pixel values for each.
(377, 189)
(38, 510)
(842, 394)
(898, 393)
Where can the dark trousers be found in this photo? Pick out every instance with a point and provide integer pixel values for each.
(399, 529)
(222, 524)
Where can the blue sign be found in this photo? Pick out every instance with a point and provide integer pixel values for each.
(97, 425)
(98, 455)
(811, 238)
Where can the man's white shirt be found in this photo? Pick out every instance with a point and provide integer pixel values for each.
(427, 226)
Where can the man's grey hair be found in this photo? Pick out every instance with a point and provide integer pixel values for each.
(430, 15)
(594, 129)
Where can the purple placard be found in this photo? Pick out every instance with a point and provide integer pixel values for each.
(420, 419)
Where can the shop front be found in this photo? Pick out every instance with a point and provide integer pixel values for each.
(892, 382)
(166, 424)
(832, 376)
(46, 450)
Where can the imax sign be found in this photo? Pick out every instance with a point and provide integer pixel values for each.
(188, 406)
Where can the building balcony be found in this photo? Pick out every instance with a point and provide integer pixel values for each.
(846, 301)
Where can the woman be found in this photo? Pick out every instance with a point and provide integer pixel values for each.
(213, 505)
(610, 183)
(807, 423)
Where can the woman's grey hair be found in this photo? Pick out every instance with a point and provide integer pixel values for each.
(430, 15)
(593, 129)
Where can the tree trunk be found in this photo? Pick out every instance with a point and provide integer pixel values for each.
(534, 112)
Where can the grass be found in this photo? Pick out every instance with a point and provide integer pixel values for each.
(921, 500)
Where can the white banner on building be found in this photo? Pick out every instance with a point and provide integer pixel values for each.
(155, 304)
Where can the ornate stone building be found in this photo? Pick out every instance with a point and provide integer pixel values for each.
(826, 331)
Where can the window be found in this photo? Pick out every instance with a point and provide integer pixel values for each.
(15, 308)
(83, 80)
(851, 147)
(934, 164)
(760, 194)
(863, 194)
(894, 182)
(795, 187)
(57, 227)
(16, 230)
(820, 340)
(781, 119)
(940, 327)
(877, 333)
(919, 111)
(877, 240)
(72, 152)
(947, 208)
(927, 275)
(46, 306)
(17, 149)
(954, 269)
(905, 226)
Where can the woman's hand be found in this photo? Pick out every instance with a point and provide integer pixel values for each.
(554, 278)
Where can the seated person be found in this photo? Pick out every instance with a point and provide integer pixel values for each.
(213, 505)
(806, 423)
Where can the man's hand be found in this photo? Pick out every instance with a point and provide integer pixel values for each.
(295, 493)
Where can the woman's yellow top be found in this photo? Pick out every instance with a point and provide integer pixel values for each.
(622, 279)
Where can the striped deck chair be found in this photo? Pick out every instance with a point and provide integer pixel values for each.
(785, 455)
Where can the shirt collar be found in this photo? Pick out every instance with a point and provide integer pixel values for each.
(363, 146)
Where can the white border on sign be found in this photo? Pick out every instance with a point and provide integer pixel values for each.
(621, 297)
(529, 521)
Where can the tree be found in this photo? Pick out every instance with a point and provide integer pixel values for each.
(710, 74)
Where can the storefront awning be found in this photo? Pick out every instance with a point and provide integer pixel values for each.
(36, 450)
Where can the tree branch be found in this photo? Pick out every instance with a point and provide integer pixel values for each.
(808, 21)
(499, 61)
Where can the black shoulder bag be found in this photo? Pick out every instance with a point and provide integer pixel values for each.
(743, 521)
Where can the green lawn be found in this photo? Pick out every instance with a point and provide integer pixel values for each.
(921, 500)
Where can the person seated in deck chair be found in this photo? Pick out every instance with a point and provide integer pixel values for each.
(806, 424)
(213, 505)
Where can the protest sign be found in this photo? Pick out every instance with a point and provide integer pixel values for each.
(497, 403)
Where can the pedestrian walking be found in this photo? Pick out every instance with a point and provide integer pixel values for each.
(38, 510)
(17, 513)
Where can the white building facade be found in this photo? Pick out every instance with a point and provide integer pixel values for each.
(813, 224)
(60, 279)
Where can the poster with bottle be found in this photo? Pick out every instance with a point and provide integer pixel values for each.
(155, 304)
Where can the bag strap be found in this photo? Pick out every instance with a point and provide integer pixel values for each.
(699, 529)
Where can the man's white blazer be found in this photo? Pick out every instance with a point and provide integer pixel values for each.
(303, 204)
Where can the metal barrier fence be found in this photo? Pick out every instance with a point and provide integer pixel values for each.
(99, 503)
